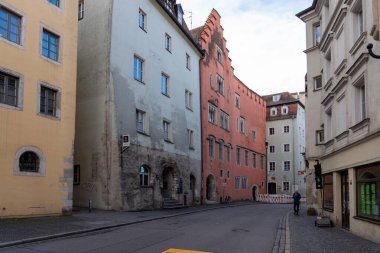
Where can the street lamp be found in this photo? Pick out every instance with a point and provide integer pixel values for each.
(371, 53)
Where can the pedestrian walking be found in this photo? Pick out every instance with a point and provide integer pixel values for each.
(297, 198)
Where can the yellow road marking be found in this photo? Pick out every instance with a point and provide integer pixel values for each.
(183, 251)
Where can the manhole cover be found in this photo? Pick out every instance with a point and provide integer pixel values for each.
(240, 230)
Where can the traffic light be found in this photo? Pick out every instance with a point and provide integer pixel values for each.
(318, 176)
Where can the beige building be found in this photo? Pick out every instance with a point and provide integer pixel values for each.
(342, 113)
(38, 48)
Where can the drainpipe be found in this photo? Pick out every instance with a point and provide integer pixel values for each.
(200, 113)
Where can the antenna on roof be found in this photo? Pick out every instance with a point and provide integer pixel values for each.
(191, 18)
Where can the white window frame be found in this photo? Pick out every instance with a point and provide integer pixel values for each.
(272, 166)
(191, 139)
(286, 129)
(273, 111)
(212, 110)
(224, 120)
(284, 165)
(220, 84)
(168, 42)
(285, 145)
(167, 131)
(272, 147)
(144, 122)
(142, 20)
(283, 186)
(237, 100)
(188, 61)
(189, 100)
(270, 132)
(165, 81)
(317, 83)
(284, 110)
(81, 9)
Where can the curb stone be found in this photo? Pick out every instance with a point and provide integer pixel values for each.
(107, 227)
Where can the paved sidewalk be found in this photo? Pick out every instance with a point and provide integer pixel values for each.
(305, 237)
(17, 231)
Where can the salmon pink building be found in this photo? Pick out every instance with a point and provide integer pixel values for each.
(233, 124)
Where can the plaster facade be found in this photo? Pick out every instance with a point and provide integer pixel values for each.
(117, 99)
(42, 185)
(343, 119)
(233, 123)
(285, 126)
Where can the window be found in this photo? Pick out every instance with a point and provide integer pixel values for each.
(211, 147)
(328, 192)
(286, 129)
(286, 147)
(221, 173)
(211, 82)
(167, 131)
(340, 49)
(164, 84)
(212, 114)
(327, 68)
(360, 100)
(142, 20)
(254, 160)
(55, 2)
(48, 101)
(253, 135)
(141, 121)
(242, 126)
(138, 65)
(271, 149)
(50, 45)
(188, 62)
(144, 175)
(10, 26)
(286, 165)
(81, 10)
(272, 166)
(220, 84)
(238, 156)
(285, 186)
(328, 133)
(320, 136)
(228, 174)
(219, 54)
(262, 162)
(246, 158)
(237, 100)
(189, 100)
(273, 111)
(190, 134)
(76, 176)
(271, 131)
(284, 110)
(358, 20)
(237, 182)
(317, 34)
(276, 98)
(224, 121)
(341, 110)
(8, 89)
(244, 182)
(168, 42)
(367, 192)
(229, 153)
(29, 162)
(318, 83)
(221, 145)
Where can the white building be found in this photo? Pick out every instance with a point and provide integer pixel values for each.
(342, 113)
(286, 144)
(138, 78)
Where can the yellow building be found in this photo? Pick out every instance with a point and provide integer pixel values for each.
(38, 63)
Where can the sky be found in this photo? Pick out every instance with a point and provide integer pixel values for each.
(265, 38)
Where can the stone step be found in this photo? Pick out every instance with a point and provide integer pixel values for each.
(170, 203)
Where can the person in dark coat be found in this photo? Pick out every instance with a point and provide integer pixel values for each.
(297, 198)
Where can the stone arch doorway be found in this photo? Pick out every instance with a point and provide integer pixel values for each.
(168, 183)
(254, 193)
(210, 188)
(192, 189)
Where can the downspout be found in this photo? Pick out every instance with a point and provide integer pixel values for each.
(200, 113)
(294, 151)
(109, 101)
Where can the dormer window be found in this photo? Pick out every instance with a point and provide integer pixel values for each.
(276, 98)
(284, 110)
(169, 5)
(179, 14)
(273, 111)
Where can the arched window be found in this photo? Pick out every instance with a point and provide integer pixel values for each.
(29, 162)
(144, 175)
